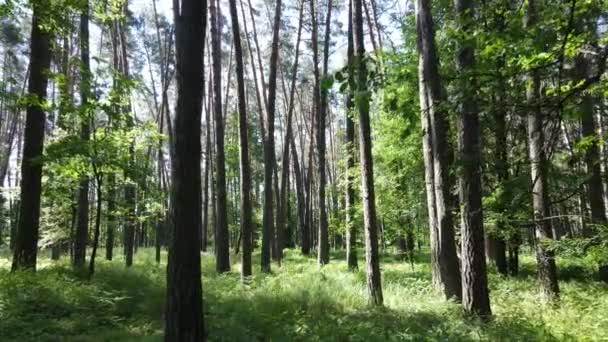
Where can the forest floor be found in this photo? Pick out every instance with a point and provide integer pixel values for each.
(297, 302)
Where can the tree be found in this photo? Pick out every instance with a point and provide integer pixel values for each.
(82, 224)
(545, 259)
(26, 245)
(269, 157)
(245, 169)
(368, 197)
(222, 250)
(433, 115)
(475, 298)
(183, 312)
(351, 235)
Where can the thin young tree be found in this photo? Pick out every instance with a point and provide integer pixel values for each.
(26, 244)
(183, 311)
(245, 169)
(368, 197)
(351, 233)
(82, 224)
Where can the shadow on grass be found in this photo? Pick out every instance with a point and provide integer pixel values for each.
(55, 304)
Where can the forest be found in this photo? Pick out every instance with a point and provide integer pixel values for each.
(303, 170)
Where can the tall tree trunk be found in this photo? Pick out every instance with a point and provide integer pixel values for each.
(26, 244)
(475, 297)
(221, 224)
(82, 224)
(372, 259)
(595, 186)
(284, 189)
(183, 311)
(436, 150)
(269, 157)
(547, 271)
(319, 119)
(351, 232)
(245, 169)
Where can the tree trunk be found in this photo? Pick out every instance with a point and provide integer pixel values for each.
(97, 231)
(475, 297)
(111, 217)
(221, 224)
(436, 150)
(547, 271)
(284, 189)
(183, 313)
(351, 232)
(26, 244)
(368, 198)
(245, 169)
(82, 224)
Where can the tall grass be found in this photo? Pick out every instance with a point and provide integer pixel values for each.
(297, 302)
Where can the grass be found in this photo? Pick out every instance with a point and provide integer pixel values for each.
(297, 302)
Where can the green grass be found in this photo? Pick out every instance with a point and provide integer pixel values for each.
(297, 302)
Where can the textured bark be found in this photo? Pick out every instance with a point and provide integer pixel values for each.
(82, 224)
(351, 232)
(26, 244)
(111, 218)
(284, 189)
(97, 229)
(475, 297)
(323, 237)
(269, 158)
(545, 259)
(222, 250)
(183, 312)
(436, 150)
(372, 259)
(245, 169)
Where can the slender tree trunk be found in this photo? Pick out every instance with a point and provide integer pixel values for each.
(351, 232)
(284, 189)
(372, 259)
(26, 244)
(436, 150)
(475, 297)
(323, 241)
(183, 311)
(111, 217)
(269, 157)
(221, 223)
(245, 172)
(97, 231)
(82, 224)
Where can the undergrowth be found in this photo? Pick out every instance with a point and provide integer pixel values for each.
(297, 302)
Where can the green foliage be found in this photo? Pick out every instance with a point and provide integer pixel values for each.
(297, 302)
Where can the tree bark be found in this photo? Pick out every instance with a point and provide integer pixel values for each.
(221, 224)
(368, 198)
(245, 169)
(547, 271)
(475, 297)
(82, 224)
(351, 232)
(183, 313)
(436, 150)
(284, 189)
(26, 244)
